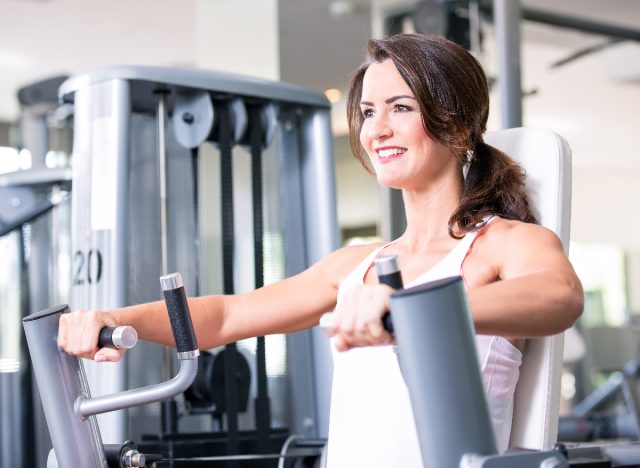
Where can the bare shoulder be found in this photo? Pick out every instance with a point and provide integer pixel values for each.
(509, 248)
(504, 243)
(343, 261)
(504, 232)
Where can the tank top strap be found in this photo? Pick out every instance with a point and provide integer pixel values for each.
(466, 244)
(483, 227)
(356, 277)
(460, 251)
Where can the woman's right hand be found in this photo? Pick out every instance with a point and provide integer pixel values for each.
(357, 320)
(78, 335)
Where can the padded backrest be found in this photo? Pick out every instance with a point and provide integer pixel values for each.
(546, 158)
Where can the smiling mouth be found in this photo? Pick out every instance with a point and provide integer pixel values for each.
(390, 152)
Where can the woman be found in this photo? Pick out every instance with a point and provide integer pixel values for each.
(417, 110)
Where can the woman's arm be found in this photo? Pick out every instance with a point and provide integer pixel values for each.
(520, 282)
(285, 306)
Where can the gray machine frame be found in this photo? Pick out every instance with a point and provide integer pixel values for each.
(310, 233)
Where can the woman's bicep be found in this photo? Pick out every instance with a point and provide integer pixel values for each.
(535, 291)
(531, 249)
(537, 253)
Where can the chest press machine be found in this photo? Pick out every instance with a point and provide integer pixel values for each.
(202, 173)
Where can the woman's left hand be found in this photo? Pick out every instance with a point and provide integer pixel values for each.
(357, 320)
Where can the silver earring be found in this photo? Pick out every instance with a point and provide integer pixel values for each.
(465, 166)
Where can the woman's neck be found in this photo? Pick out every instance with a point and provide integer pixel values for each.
(428, 213)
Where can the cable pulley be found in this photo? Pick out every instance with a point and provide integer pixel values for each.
(267, 123)
(193, 117)
(234, 112)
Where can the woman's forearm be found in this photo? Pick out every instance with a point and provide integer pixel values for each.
(220, 319)
(151, 320)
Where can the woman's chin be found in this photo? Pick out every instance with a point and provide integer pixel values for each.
(389, 182)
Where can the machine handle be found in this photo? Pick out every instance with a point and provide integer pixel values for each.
(178, 308)
(388, 273)
(117, 337)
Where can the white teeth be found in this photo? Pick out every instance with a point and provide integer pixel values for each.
(387, 153)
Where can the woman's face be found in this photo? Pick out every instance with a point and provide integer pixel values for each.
(402, 154)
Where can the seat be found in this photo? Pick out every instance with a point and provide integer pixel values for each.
(546, 158)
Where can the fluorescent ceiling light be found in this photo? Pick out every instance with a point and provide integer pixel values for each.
(333, 95)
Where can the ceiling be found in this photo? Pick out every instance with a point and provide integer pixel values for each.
(312, 37)
(44, 38)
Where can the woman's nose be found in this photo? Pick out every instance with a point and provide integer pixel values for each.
(379, 126)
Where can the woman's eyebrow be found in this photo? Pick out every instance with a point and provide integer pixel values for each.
(389, 100)
(395, 98)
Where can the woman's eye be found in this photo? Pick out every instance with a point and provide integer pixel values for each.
(366, 113)
(403, 108)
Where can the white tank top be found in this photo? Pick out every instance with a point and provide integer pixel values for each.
(371, 421)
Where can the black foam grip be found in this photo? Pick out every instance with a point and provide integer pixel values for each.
(105, 338)
(387, 323)
(393, 280)
(180, 318)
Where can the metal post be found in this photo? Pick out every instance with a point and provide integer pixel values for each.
(61, 380)
(507, 17)
(300, 355)
(318, 176)
(474, 27)
(168, 408)
(39, 284)
(100, 215)
(393, 221)
(12, 422)
(35, 133)
(162, 167)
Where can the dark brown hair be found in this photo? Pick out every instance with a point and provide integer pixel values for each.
(451, 89)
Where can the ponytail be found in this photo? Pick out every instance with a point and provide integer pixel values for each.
(494, 185)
